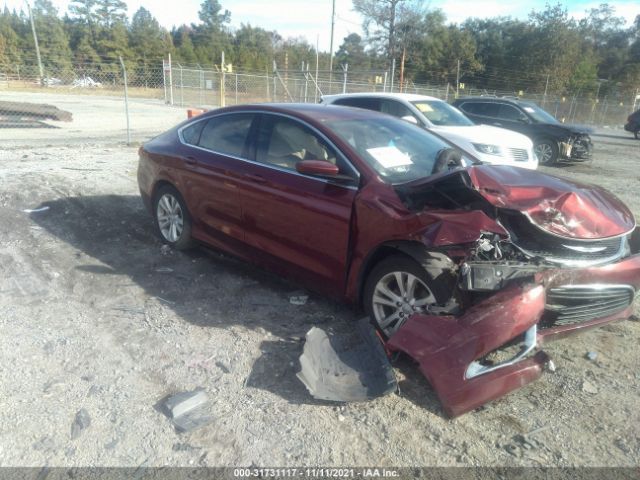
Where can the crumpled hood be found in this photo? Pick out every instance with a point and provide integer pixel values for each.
(484, 134)
(559, 206)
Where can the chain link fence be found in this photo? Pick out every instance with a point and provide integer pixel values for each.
(94, 94)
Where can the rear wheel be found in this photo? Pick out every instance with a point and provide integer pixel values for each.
(397, 288)
(546, 150)
(172, 218)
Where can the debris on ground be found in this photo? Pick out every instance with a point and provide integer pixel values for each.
(188, 410)
(589, 387)
(80, 423)
(346, 368)
(551, 366)
(165, 249)
(36, 210)
(35, 111)
(298, 299)
(591, 356)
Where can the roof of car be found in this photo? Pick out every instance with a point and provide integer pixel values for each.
(312, 112)
(409, 97)
(491, 98)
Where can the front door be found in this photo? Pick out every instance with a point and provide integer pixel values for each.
(301, 222)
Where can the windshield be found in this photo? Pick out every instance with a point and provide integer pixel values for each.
(442, 114)
(538, 114)
(398, 151)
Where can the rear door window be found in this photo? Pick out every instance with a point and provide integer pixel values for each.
(482, 108)
(191, 134)
(227, 134)
(360, 102)
(396, 109)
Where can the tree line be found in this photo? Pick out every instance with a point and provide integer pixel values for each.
(549, 51)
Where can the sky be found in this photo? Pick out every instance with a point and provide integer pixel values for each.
(312, 18)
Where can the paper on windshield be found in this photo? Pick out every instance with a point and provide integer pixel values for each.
(529, 109)
(390, 157)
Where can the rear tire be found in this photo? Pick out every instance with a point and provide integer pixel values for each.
(547, 151)
(397, 288)
(172, 218)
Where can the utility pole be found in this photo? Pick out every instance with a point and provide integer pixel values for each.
(458, 79)
(333, 22)
(35, 40)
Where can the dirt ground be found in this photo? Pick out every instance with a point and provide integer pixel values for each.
(95, 315)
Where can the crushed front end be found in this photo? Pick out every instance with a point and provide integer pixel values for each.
(550, 273)
(577, 146)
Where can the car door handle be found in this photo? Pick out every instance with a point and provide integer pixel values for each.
(255, 178)
(191, 160)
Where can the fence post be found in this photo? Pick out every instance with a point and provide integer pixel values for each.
(266, 77)
(126, 100)
(222, 79)
(236, 74)
(164, 80)
(170, 81)
(345, 68)
(181, 87)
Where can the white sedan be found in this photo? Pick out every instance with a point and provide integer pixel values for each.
(493, 145)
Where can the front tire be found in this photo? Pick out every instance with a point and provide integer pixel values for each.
(397, 288)
(547, 151)
(172, 218)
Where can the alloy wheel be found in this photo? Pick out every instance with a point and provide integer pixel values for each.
(170, 217)
(396, 296)
(544, 152)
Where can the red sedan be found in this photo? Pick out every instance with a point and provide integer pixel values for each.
(451, 259)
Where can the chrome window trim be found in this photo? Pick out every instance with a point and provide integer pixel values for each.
(275, 167)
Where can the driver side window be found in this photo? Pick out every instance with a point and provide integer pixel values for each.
(283, 142)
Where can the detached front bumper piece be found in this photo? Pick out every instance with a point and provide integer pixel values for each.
(448, 348)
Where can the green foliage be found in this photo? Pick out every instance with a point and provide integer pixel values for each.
(547, 52)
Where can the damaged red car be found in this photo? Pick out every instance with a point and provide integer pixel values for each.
(456, 263)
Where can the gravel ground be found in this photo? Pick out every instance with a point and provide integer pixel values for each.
(95, 315)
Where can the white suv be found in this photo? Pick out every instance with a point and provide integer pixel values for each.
(489, 144)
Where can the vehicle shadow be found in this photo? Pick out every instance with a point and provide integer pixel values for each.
(115, 237)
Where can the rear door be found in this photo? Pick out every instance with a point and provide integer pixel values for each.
(212, 171)
(300, 222)
(481, 112)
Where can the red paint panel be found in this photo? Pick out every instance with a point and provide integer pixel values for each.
(559, 206)
(444, 346)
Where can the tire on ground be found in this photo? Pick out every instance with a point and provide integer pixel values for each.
(184, 240)
(399, 263)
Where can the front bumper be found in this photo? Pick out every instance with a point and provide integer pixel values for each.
(579, 148)
(447, 347)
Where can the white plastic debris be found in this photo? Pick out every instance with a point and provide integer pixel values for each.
(188, 410)
(36, 210)
(298, 299)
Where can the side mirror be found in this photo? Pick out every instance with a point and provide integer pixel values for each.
(317, 167)
(410, 119)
